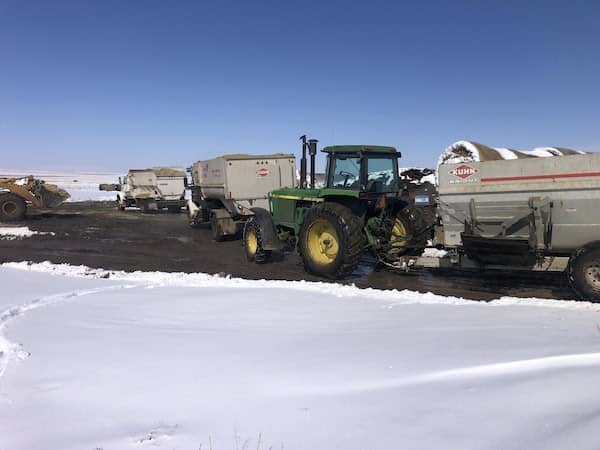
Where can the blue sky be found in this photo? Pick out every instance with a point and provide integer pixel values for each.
(103, 85)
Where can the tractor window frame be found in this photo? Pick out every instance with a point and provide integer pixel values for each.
(394, 183)
(332, 163)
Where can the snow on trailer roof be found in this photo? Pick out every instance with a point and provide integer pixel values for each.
(469, 151)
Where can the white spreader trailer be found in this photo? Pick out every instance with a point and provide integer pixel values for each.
(151, 189)
(528, 212)
(227, 189)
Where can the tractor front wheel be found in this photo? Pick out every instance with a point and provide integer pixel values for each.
(253, 242)
(12, 207)
(331, 240)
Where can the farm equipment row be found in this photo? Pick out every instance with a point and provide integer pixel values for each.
(490, 209)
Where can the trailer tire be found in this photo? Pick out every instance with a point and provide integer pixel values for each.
(253, 242)
(215, 228)
(331, 240)
(143, 205)
(584, 274)
(12, 207)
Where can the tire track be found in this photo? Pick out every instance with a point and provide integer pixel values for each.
(9, 351)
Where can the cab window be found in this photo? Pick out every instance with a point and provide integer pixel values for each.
(381, 174)
(345, 172)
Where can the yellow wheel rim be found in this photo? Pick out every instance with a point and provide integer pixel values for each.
(400, 237)
(322, 242)
(251, 241)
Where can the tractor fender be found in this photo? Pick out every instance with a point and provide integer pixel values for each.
(269, 237)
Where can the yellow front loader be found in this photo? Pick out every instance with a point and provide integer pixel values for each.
(17, 193)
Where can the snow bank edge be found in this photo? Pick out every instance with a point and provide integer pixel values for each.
(181, 279)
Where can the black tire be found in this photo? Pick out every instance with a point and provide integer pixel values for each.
(174, 209)
(584, 274)
(120, 205)
(143, 205)
(350, 241)
(12, 207)
(215, 229)
(416, 229)
(253, 246)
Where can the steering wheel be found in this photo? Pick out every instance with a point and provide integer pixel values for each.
(346, 176)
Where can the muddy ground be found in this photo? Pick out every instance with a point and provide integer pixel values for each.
(97, 235)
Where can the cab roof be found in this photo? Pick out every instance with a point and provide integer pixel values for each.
(359, 149)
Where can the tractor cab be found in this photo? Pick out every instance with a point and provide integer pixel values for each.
(370, 169)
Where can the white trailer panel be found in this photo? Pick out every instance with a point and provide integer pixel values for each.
(500, 198)
(247, 179)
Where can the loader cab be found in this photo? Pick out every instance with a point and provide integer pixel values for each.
(372, 169)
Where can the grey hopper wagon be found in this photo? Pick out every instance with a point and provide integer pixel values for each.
(225, 190)
(528, 212)
(151, 189)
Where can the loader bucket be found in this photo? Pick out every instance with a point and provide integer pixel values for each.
(51, 195)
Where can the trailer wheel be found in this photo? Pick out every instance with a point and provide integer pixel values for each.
(253, 242)
(143, 205)
(584, 274)
(12, 207)
(331, 240)
(215, 228)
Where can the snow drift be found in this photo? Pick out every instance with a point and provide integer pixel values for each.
(113, 360)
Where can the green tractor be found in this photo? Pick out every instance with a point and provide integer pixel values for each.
(364, 206)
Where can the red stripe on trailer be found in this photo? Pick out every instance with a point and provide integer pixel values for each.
(543, 177)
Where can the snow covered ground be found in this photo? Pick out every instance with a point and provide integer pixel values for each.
(93, 359)
(11, 232)
(82, 186)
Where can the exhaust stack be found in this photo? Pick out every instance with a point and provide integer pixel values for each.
(312, 150)
(303, 162)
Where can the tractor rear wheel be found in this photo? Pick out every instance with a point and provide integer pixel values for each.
(331, 240)
(584, 274)
(253, 242)
(12, 207)
(407, 236)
